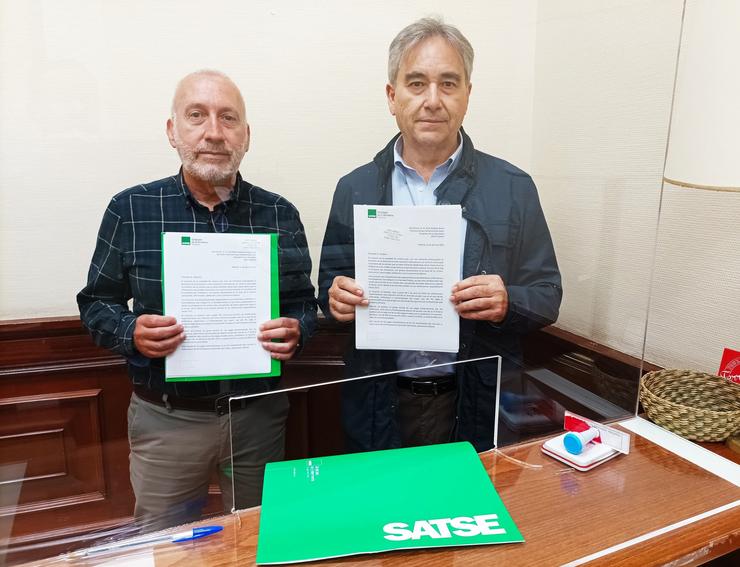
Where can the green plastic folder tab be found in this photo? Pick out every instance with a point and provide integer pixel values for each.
(419, 497)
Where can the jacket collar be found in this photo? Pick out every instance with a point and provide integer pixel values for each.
(451, 191)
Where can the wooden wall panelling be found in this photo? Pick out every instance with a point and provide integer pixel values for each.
(58, 438)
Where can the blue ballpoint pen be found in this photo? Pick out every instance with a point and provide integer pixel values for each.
(195, 533)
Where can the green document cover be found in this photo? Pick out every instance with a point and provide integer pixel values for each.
(419, 497)
(188, 240)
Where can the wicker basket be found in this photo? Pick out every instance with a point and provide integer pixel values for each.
(695, 405)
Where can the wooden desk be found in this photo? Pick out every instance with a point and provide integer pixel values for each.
(563, 514)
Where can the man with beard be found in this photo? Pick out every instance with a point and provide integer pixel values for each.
(179, 432)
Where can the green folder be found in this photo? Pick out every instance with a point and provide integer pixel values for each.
(275, 366)
(419, 497)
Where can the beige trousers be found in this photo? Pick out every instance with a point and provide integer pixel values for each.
(174, 454)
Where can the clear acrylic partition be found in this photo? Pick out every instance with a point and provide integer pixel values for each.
(597, 85)
(323, 419)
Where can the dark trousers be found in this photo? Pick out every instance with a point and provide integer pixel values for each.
(426, 420)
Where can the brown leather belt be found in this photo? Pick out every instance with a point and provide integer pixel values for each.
(219, 406)
(433, 386)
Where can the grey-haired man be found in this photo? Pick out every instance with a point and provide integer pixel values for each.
(511, 282)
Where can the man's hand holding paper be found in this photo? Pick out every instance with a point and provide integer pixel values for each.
(344, 296)
(482, 298)
(156, 336)
(287, 330)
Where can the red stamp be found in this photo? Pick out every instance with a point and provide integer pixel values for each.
(730, 366)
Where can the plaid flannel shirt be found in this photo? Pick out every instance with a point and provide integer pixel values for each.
(127, 263)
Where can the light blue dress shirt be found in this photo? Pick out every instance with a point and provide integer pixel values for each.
(410, 189)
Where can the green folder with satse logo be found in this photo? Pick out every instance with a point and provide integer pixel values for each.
(418, 497)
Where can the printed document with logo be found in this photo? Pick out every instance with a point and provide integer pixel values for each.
(418, 497)
(407, 259)
(220, 287)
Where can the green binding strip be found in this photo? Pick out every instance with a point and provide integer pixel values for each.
(275, 297)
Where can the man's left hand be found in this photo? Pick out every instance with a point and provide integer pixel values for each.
(482, 298)
(287, 330)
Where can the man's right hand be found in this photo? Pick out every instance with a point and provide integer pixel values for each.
(344, 296)
(156, 336)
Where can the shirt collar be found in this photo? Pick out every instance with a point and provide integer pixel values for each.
(191, 201)
(449, 164)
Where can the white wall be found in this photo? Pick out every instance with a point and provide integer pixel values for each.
(85, 89)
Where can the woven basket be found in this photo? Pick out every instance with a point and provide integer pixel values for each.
(695, 405)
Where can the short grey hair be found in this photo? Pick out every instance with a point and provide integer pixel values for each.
(421, 30)
(206, 73)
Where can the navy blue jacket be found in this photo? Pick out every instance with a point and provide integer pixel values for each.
(506, 235)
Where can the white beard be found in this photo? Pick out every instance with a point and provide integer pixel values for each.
(213, 173)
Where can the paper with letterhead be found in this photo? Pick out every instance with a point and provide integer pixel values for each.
(220, 287)
(407, 259)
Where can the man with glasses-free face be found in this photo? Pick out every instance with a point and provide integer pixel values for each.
(510, 281)
(178, 431)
